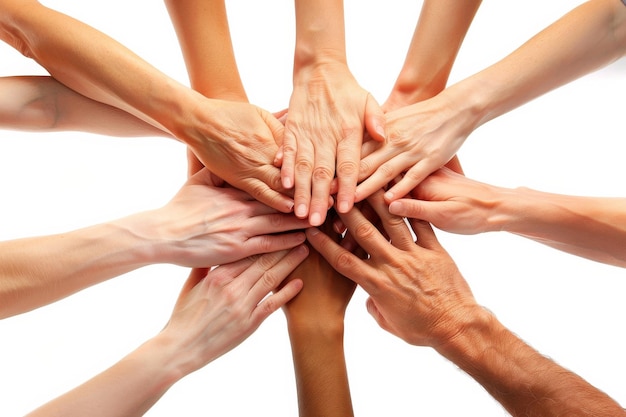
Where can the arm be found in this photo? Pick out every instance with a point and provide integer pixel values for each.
(328, 112)
(418, 294)
(43, 104)
(315, 319)
(589, 37)
(591, 227)
(237, 141)
(436, 41)
(204, 37)
(203, 225)
(215, 312)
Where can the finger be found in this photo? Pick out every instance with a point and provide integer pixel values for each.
(323, 174)
(344, 262)
(272, 268)
(275, 301)
(425, 234)
(383, 175)
(415, 209)
(272, 243)
(287, 170)
(396, 228)
(348, 160)
(455, 165)
(374, 119)
(411, 179)
(278, 158)
(260, 191)
(274, 223)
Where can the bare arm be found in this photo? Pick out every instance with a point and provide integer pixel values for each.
(328, 113)
(40, 103)
(418, 294)
(222, 134)
(202, 226)
(204, 37)
(591, 227)
(215, 312)
(436, 41)
(589, 37)
(315, 319)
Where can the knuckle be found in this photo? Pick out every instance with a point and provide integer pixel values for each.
(364, 231)
(322, 173)
(347, 169)
(303, 166)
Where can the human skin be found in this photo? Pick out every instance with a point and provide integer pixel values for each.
(204, 37)
(42, 104)
(203, 225)
(417, 293)
(590, 227)
(237, 141)
(215, 312)
(328, 114)
(315, 319)
(436, 41)
(423, 137)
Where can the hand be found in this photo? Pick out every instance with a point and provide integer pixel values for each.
(421, 138)
(324, 129)
(218, 310)
(325, 294)
(205, 225)
(239, 144)
(453, 203)
(416, 291)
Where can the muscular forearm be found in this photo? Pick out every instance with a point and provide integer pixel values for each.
(129, 388)
(591, 227)
(522, 380)
(320, 369)
(589, 37)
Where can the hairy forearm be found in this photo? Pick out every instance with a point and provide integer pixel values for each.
(128, 388)
(591, 227)
(40, 270)
(525, 382)
(94, 64)
(589, 37)
(320, 369)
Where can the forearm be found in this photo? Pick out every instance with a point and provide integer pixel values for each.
(41, 103)
(320, 33)
(438, 36)
(320, 369)
(525, 382)
(587, 38)
(94, 64)
(591, 227)
(129, 388)
(204, 36)
(40, 270)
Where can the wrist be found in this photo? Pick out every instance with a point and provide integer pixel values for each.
(331, 328)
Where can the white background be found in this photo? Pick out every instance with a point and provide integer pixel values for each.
(570, 141)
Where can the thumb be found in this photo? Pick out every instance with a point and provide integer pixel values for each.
(375, 312)
(374, 119)
(411, 208)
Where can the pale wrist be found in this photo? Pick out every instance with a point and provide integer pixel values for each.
(145, 242)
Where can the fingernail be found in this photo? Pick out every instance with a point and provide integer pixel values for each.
(395, 207)
(301, 210)
(313, 231)
(316, 219)
(380, 130)
(344, 207)
(287, 182)
(388, 196)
